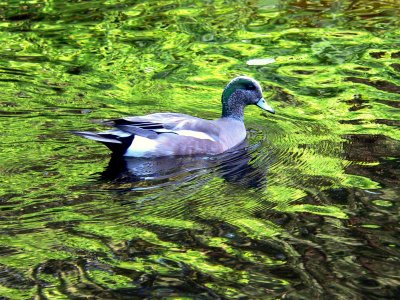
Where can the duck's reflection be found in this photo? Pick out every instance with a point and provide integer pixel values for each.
(238, 168)
(235, 167)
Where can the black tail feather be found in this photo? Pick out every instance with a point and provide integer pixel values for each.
(117, 144)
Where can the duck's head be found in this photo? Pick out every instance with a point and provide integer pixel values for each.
(240, 92)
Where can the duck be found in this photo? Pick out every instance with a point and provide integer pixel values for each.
(176, 134)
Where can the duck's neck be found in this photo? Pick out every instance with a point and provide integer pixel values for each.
(233, 108)
(236, 112)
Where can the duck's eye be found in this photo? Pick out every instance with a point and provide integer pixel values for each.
(250, 86)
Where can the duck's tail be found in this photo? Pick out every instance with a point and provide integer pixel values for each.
(117, 143)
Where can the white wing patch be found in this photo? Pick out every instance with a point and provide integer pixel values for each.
(192, 133)
(196, 134)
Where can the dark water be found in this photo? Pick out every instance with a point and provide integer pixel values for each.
(309, 209)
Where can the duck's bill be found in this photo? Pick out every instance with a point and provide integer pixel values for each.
(265, 106)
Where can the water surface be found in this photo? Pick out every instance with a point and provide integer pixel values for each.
(309, 207)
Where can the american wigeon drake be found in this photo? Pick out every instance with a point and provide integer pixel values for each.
(174, 134)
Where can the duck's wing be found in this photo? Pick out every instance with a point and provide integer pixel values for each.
(151, 126)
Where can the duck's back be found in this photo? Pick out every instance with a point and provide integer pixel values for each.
(187, 135)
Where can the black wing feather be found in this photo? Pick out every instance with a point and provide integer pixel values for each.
(143, 125)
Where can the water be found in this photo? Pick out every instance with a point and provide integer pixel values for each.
(308, 209)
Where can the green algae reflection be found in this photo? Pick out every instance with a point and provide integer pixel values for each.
(318, 201)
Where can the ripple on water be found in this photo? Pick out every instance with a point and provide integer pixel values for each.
(309, 201)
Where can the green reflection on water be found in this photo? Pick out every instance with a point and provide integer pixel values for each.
(331, 70)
